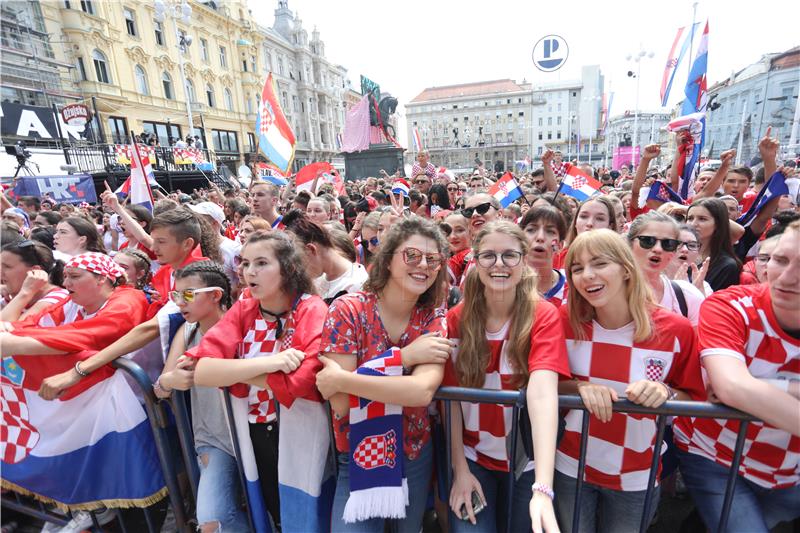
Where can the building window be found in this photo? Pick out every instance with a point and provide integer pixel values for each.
(141, 81)
(212, 101)
(66, 5)
(540, 121)
(248, 104)
(82, 69)
(130, 22)
(224, 141)
(558, 135)
(549, 135)
(228, 97)
(204, 50)
(158, 29)
(166, 82)
(559, 107)
(294, 102)
(223, 57)
(101, 67)
(539, 151)
(558, 120)
(522, 113)
(87, 7)
(190, 92)
(244, 65)
(251, 141)
(118, 127)
(549, 121)
(163, 132)
(540, 135)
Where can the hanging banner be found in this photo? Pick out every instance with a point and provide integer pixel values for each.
(67, 189)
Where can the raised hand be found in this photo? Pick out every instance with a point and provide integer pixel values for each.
(651, 151)
(768, 146)
(728, 156)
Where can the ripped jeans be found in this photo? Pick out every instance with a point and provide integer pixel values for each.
(219, 491)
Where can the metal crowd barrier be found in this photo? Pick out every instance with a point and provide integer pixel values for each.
(670, 408)
(159, 423)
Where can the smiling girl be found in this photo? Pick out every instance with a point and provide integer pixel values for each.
(620, 344)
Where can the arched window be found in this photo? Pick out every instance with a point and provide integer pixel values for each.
(210, 98)
(166, 81)
(228, 99)
(141, 81)
(101, 67)
(190, 93)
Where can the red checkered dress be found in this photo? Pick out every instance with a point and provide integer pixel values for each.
(486, 426)
(619, 452)
(260, 341)
(751, 334)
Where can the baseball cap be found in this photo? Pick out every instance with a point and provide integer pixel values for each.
(211, 209)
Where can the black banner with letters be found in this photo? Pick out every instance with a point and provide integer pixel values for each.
(36, 122)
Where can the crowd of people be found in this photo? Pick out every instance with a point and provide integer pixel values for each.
(367, 298)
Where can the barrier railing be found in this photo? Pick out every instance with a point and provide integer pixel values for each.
(671, 408)
(159, 424)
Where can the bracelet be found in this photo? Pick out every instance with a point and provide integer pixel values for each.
(671, 394)
(80, 372)
(544, 489)
(157, 386)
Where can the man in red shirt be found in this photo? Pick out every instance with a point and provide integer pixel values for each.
(753, 364)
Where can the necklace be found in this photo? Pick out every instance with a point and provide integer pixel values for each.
(277, 317)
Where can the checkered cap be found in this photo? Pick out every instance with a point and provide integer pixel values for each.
(97, 263)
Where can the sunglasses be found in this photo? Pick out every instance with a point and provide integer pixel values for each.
(421, 181)
(510, 258)
(188, 295)
(462, 189)
(413, 257)
(481, 209)
(668, 245)
(452, 189)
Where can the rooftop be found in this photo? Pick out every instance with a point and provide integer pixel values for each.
(478, 88)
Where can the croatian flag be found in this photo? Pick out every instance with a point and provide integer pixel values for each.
(137, 186)
(661, 192)
(579, 185)
(304, 179)
(54, 450)
(506, 189)
(417, 141)
(695, 102)
(672, 62)
(400, 186)
(272, 177)
(275, 137)
(772, 190)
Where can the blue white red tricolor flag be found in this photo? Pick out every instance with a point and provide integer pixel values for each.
(275, 137)
(772, 190)
(695, 102)
(417, 140)
(400, 186)
(506, 190)
(661, 192)
(137, 186)
(673, 63)
(579, 185)
(304, 179)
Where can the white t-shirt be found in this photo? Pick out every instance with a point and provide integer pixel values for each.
(691, 294)
(230, 251)
(351, 281)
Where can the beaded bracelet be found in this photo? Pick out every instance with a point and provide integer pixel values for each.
(544, 489)
(80, 372)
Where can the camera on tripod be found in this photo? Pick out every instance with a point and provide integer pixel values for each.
(20, 151)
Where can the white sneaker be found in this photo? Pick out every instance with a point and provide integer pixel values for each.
(82, 521)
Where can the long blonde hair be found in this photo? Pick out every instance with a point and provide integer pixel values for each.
(473, 352)
(612, 246)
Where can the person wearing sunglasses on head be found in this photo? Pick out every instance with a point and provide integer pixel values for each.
(654, 238)
(398, 324)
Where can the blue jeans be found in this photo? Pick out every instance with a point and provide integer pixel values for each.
(754, 508)
(219, 491)
(494, 516)
(602, 509)
(418, 476)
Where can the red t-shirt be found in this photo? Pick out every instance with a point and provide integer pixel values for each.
(164, 280)
(140, 246)
(486, 426)
(751, 333)
(619, 452)
(353, 326)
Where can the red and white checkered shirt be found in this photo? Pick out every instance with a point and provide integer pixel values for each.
(560, 170)
(619, 452)
(259, 342)
(751, 333)
(486, 426)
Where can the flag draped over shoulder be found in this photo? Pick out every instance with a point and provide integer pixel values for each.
(660, 192)
(356, 127)
(275, 137)
(773, 189)
(98, 421)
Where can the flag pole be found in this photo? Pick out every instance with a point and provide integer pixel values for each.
(561, 184)
(691, 38)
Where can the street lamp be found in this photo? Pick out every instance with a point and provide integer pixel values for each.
(592, 129)
(637, 57)
(175, 10)
(569, 136)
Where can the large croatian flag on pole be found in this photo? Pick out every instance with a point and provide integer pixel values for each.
(673, 63)
(506, 190)
(579, 185)
(275, 137)
(695, 102)
(137, 186)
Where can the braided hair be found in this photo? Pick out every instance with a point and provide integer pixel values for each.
(212, 274)
(142, 262)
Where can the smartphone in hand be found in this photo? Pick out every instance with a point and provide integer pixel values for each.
(477, 506)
